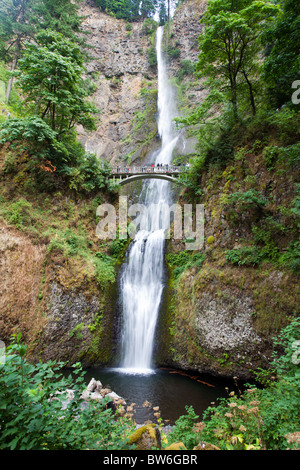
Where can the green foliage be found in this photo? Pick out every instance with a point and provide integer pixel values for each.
(243, 200)
(152, 56)
(50, 155)
(149, 26)
(183, 431)
(248, 204)
(245, 256)
(105, 270)
(61, 16)
(89, 175)
(37, 137)
(186, 68)
(291, 257)
(32, 415)
(50, 77)
(172, 50)
(18, 213)
(282, 64)
(130, 10)
(230, 45)
(183, 260)
(117, 247)
(275, 155)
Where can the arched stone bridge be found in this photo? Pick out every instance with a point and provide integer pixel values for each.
(127, 174)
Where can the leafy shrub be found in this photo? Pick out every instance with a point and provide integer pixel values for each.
(18, 213)
(32, 415)
(173, 51)
(291, 257)
(105, 271)
(244, 200)
(183, 260)
(289, 155)
(183, 430)
(37, 137)
(248, 204)
(186, 68)
(117, 247)
(149, 26)
(245, 256)
(89, 174)
(152, 56)
(266, 238)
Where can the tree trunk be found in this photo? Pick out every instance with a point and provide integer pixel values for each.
(13, 68)
(251, 93)
(234, 98)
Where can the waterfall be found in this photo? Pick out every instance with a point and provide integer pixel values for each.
(141, 283)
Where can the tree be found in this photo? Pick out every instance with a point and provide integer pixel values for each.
(21, 20)
(59, 15)
(230, 44)
(50, 77)
(163, 17)
(282, 64)
(16, 26)
(129, 10)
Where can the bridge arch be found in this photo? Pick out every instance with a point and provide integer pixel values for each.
(129, 179)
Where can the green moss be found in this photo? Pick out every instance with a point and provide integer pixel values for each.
(210, 240)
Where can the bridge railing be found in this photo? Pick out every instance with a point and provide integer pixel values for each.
(136, 170)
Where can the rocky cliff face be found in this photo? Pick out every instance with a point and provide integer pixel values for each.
(125, 88)
(126, 84)
(221, 316)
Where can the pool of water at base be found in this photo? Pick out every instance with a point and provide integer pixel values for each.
(170, 390)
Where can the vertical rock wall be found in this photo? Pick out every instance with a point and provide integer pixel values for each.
(125, 88)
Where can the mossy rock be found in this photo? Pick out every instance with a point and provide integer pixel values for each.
(146, 437)
(176, 446)
(210, 240)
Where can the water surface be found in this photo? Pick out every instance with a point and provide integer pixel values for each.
(168, 389)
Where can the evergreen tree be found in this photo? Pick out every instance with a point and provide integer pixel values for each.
(130, 10)
(58, 15)
(163, 17)
(147, 8)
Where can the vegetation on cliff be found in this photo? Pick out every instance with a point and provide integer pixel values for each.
(134, 10)
(244, 170)
(51, 187)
